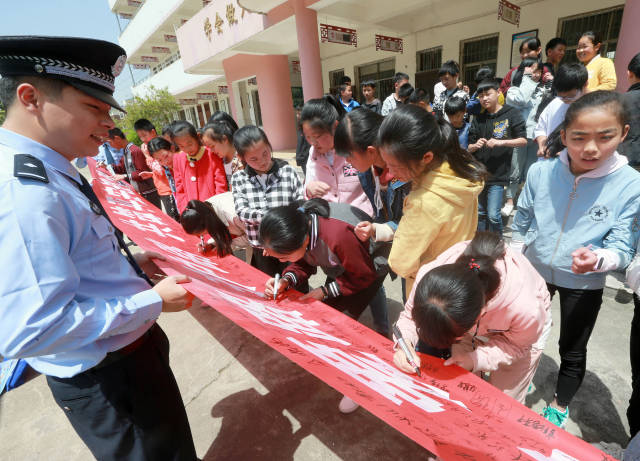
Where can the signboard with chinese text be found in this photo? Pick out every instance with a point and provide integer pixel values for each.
(206, 96)
(509, 12)
(335, 34)
(385, 43)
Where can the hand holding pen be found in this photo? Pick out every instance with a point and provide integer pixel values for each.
(275, 286)
(405, 358)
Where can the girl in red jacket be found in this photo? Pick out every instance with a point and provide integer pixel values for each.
(198, 173)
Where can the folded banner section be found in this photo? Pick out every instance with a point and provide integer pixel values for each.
(448, 410)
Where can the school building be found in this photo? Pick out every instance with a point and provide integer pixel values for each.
(258, 59)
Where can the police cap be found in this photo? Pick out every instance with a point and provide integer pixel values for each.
(89, 65)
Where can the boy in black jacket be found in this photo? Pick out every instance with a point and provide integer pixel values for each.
(631, 145)
(493, 135)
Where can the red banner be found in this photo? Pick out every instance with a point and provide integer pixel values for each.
(448, 410)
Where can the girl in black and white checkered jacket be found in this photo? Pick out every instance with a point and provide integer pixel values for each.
(265, 183)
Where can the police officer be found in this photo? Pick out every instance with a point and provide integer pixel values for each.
(73, 302)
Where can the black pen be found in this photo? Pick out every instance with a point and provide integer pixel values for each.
(405, 349)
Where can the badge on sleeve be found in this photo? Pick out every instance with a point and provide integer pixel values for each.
(29, 167)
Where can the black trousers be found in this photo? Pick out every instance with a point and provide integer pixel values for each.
(170, 206)
(153, 198)
(578, 314)
(633, 412)
(130, 409)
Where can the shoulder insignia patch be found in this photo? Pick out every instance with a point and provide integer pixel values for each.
(28, 167)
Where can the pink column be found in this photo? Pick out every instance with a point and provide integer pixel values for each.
(276, 102)
(274, 91)
(628, 42)
(229, 78)
(308, 50)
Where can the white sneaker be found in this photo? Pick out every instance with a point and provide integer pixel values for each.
(506, 210)
(347, 405)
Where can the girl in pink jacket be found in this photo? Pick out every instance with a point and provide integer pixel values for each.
(485, 302)
(329, 176)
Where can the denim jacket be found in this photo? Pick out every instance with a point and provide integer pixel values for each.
(559, 212)
(393, 198)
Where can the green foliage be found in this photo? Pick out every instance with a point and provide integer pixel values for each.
(157, 105)
(3, 114)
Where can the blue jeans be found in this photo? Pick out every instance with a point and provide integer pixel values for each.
(489, 204)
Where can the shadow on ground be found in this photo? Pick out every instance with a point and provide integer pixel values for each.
(255, 427)
(591, 407)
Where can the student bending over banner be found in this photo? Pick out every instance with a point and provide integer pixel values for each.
(314, 235)
(216, 217)
(488, 304)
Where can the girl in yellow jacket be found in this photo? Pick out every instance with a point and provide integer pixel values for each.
(441, 209)
(602, 72)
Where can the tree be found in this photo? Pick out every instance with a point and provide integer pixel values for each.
(3, 114)
(157, 105)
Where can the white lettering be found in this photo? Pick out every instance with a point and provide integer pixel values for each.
(287, 320)
(381, 377)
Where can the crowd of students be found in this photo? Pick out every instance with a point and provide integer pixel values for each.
(414, 187)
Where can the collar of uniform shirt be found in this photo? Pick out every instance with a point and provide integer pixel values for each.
(53, 159)
(198, 156)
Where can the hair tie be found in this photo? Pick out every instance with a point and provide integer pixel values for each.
(474, 266)
(301, 210)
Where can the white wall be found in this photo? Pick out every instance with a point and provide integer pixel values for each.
(150, 17)
(537, 14)
(174, 78)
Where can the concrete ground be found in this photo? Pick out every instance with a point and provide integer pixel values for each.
(247, 402)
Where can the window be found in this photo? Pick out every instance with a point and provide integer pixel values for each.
(381, 73)
(476, 53)
(428, 63)
(604, 22)
(334, 80)
(430, 59)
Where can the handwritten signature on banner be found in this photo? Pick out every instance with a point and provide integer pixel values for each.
(449, 411)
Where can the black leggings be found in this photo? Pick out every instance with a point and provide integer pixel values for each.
(578, 314)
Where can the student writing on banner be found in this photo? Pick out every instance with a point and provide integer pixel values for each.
(448, 411)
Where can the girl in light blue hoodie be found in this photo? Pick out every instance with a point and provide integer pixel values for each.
(577, 219)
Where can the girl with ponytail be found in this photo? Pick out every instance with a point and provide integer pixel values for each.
(318, 234)
(329, 176)
(217, 218)
(441, 208)
(486, 303)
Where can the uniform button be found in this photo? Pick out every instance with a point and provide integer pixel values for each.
(192, 164)
(193, 178)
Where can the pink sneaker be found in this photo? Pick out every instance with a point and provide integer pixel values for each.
(347, 405)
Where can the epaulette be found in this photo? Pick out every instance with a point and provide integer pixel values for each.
(27, 166)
